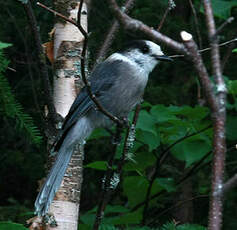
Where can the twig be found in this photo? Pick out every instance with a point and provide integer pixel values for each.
(222, 26)
(127, 143)
(159, 162)
(13, 70)
(178, 204)
(136, 25)
(83, 74)
(208, 48)
(227, 56)
(42, 61)
(57, 14)
(231, 183)
(201, 69)
(166, 151)
(196, 24)
(107, 184)
(87, 84)
(111, 34)
(107, 188)
(171, 5)
(194, 168)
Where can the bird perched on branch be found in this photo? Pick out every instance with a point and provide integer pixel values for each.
(118, 84)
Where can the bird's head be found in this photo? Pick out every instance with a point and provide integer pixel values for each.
(146, 54)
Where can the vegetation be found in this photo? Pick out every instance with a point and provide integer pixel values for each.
(165, 183)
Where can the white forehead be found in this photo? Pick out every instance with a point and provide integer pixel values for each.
(154, 48)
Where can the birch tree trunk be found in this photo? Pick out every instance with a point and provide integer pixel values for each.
(68, 43)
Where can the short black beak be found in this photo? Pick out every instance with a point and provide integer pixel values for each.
(162, 58)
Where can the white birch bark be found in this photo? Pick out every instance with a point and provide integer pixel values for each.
(68, 43)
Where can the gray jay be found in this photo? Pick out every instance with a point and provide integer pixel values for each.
(118, 83)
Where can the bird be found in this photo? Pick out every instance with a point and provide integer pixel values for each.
(118, 84)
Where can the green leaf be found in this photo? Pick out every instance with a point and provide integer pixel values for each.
(4, 45)
(142, 160)
(222, 8)
(11, 226)
(115, 209)
(234, 50)
(128, 218)
(133, 188)
(148, 138)
(190, 227)
(107, 227)
(167, 183)
(10, 108)
(232, 87)
(231, 127)
(146, 122)
(99, 165)
(162, 114)
(192, 113)
(191, 151)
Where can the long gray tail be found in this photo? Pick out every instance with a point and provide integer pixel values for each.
(78, 133)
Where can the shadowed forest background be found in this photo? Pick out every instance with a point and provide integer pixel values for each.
(174, 113)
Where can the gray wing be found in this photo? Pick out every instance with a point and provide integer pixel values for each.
(101, 80)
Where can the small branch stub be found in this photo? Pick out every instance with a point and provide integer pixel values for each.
(186, 36)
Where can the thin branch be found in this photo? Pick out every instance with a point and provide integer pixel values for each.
(9, 68)
(159, 162)
(83, 74)
(136, 25)
(42, 61)
(179, 204)
(171, 5)
(208, 48)
(111, 34)
(108, 184)
(196, 24)
(231, 183)
(201, 69)
(127, 143)
(57, 14)
(223, 25)
(227, 56)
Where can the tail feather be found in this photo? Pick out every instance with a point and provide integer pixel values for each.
(78, 132)
(53, 181)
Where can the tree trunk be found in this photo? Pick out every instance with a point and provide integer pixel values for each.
(68, 43)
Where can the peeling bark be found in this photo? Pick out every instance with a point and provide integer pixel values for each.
(68, 42)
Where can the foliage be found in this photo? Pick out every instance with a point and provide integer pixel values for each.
(169, 124)
(10, 108)
(167, 226)
(11, 226)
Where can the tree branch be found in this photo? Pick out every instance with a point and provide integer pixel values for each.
(83, 74)
(111, 34)
(135, 25)
(42, 61)
(108, 183)
(171, 5)
(231, 183)
(219, 119)
(196, 24)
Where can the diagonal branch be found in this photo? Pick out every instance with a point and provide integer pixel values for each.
(231, 183)
(41, 60)
(111, 34)
(136, 25)
(83, 74)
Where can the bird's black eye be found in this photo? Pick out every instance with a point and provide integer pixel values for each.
(145, 49)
